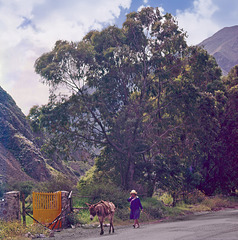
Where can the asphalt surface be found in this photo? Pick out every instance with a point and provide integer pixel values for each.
(222, 225)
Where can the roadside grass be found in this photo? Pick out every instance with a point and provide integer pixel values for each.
(15, 230)
(29, 220)
(82, 216)
(213, 203)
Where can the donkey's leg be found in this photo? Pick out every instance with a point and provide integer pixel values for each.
(102, 231)
(110, 220)
(111, 223)
(101, 224)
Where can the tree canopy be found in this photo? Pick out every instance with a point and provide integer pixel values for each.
(149, 102)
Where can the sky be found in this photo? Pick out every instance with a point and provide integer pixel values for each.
(30, 28)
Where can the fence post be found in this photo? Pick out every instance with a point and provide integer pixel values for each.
(65, 201)
(23, 209)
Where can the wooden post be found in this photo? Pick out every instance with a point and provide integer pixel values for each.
(23, 210)
(70, 201)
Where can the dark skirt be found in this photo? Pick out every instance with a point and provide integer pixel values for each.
(135, 214)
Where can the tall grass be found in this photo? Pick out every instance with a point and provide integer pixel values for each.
(15, 230)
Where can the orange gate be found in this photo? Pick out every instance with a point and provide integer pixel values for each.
(46, 207)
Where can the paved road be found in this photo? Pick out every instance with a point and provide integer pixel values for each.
(222, 225)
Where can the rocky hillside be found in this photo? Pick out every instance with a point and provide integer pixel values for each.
(20, 158)
(20, 155)
(223, 45)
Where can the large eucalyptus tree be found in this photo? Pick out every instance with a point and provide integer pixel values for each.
(134, 92)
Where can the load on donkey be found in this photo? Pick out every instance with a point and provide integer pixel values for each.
(103, 209)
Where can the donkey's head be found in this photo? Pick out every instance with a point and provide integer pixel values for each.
(92, 210)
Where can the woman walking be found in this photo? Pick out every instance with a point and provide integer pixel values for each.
(135, 206)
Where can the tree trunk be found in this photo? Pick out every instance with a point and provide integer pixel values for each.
(130, 174)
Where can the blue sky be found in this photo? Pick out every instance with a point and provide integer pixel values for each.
(170, 5)
(31, 27)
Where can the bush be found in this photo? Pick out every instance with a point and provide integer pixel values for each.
(194, 197)
(166, 198)
(122, 214)
(107, 192)
(57, 183)
(153, 208)
(25, 187)
(73, 219)
(216, 202)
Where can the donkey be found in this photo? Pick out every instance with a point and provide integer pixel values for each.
(102, 209)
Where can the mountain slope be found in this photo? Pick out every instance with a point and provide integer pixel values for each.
(20, 158)
(20, 155)
(223, 45)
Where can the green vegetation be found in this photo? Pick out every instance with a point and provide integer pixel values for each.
(15, 230)
(159, 110)
(25, 187)
(58, 182)
(2, 188)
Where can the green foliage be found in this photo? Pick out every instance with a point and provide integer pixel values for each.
(73, 219)
(104, 191)
(15, 230)
(2, 188)
(155, 107)
(153, 207)
(194, 197)
(217, 202)
(166, 198)
(59, 182)
(25, 187)
(122, 214)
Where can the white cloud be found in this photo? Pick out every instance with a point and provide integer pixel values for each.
(31, 27)
(197, 21)
(145, 1)
(206, 17)
(140, 8)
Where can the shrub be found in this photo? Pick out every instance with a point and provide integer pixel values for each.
(73, 219)
(122, 214)
(84, 217)
(166, 198)
(107, 192)
(58, 182)
(153, 207)
(216, 202)
(194, 197)
(25, 187)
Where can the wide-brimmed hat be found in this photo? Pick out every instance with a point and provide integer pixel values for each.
(133, 192)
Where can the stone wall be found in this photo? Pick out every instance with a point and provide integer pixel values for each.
(10, 206)
(66, 207)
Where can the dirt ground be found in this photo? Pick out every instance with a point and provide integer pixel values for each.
(80, 232)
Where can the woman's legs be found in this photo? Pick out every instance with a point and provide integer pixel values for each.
(135, 215)
(136, 223)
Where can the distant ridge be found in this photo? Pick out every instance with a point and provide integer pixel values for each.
(223, 45)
